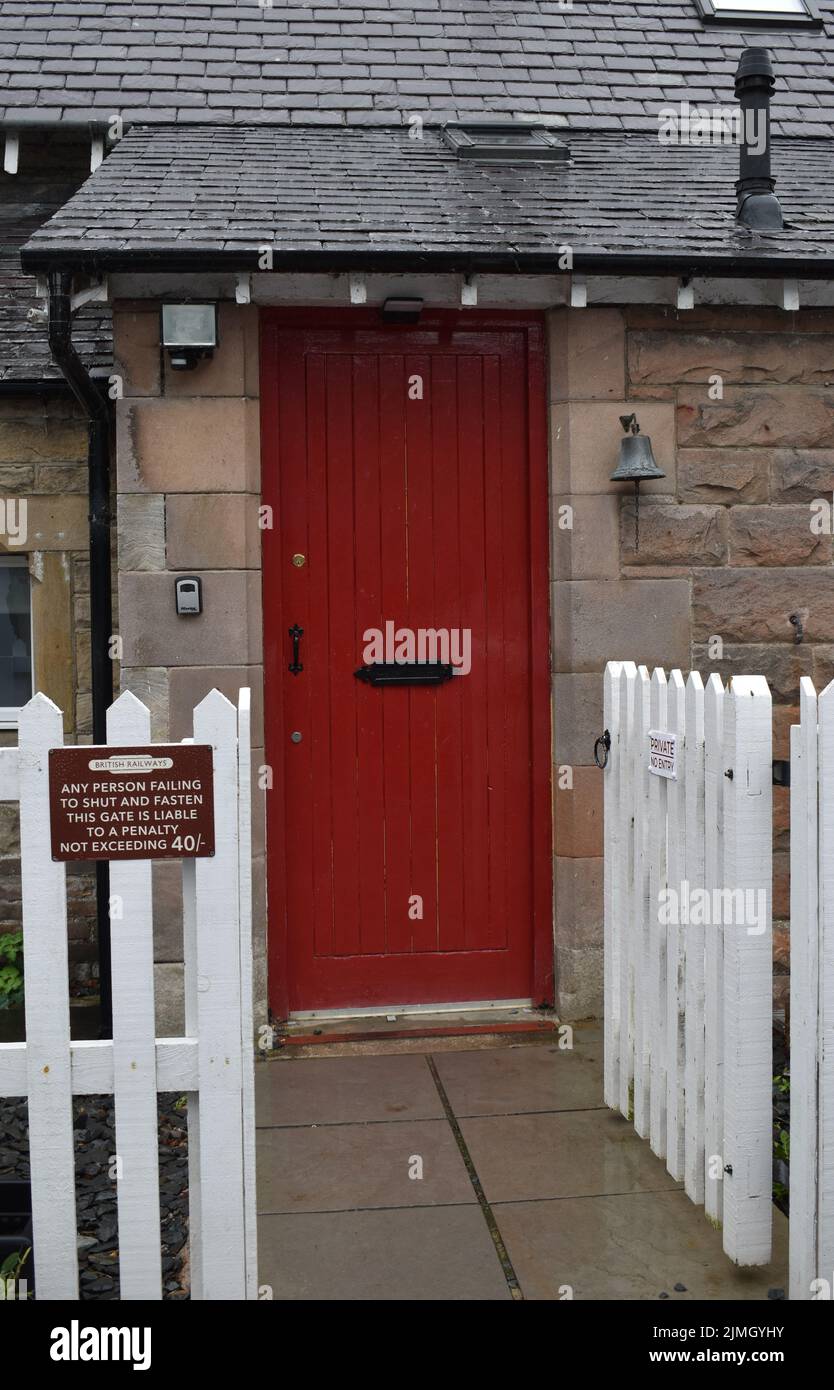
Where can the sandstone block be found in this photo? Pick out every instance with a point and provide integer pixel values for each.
(589, 548)
(48, 523)
(642, 620)
(795, 416)
(801, 475)
(190, 445)
(136, 348)
(577, 718)
(213, 531)
(579, 904)
(750, 605)
(33, 441)
(724, 475)
(671, 534)
(578, 815)
(745, 358)
(141, 531)
(776, 536)
(578, 983)
(587, 354)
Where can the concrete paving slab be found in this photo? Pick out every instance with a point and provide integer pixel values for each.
(636, 1246)
(568, 1154)
(340, 1090)
(516, 1080)
(343, 1167)
(415, 1255)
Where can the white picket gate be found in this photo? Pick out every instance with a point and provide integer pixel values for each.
(213, 1063)
(688, 999)
(811, 1235)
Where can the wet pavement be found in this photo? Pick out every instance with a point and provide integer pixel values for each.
(473, 1171)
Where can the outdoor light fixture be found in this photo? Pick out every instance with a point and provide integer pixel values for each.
(397, 310)
(636, 465)
(189, 332)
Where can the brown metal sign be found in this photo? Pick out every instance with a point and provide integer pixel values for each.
(132, 803)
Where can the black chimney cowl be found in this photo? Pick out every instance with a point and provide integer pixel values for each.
(758, 207)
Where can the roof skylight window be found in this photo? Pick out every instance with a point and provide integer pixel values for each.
(504, 140)
(773, 13)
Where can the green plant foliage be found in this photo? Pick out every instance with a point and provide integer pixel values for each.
(11, 1271)
(11, 969)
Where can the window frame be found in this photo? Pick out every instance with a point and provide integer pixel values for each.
(812, 19)
(10, 714)
(470, 140)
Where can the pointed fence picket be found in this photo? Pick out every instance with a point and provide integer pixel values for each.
(213, 1063)
(688, 1002)
(811, 1235)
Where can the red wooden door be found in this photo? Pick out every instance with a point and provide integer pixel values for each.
(408, 827)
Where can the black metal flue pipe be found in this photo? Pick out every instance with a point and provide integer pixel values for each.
(758, 206)
(95, 404)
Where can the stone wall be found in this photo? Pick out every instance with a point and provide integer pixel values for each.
(741, 415)
(188, 477)
(43, 460)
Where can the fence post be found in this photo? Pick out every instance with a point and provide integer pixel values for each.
(694, 943)
(805, 981)
(247, 1040)
(825, 1041)
(714, 768)
(612, 908)
(748, 978)
(656, 848)
(220, 1195)
(48, 1066)
(192, 1030)
(675, 961)
(134, 1046)
(623, 887)
(640, 904)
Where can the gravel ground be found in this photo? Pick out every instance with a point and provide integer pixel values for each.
(98, 1246)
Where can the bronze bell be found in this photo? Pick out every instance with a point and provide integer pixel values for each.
(636, 458)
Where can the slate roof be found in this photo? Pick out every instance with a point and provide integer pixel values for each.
(51, 169)
(601, 64)
(328, 199)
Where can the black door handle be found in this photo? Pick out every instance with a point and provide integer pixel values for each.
(296, 633)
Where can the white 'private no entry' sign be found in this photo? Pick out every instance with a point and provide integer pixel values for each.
(663, 754)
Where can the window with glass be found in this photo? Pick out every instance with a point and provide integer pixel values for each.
(770, 12)
(15, 638)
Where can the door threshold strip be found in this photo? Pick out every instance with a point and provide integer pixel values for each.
(540, 1027)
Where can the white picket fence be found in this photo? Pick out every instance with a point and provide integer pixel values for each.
(811, 1235)
(213, 1063)
(688, 1000)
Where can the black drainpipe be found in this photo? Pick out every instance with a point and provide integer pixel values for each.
(95, 405)
(758, 205)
